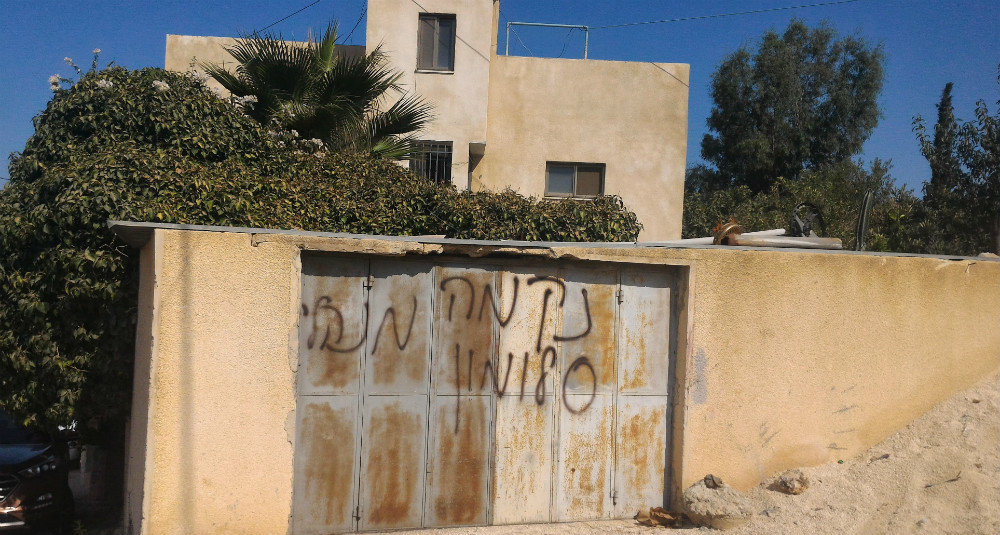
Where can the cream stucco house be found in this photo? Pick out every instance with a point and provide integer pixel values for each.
(542, 126)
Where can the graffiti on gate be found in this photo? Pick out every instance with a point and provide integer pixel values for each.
(465, 303)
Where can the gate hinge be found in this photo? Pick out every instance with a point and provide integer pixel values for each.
(621, 296)
(614, 497)
(370, 281)
(357, 513)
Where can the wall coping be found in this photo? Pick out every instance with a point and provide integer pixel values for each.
(137, 233)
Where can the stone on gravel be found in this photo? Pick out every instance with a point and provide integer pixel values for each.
(792, 482)
(722, 507)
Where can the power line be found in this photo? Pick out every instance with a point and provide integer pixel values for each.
(719, 15)
(364, 9)
(518, 37)
(300, 10)
(565, 42)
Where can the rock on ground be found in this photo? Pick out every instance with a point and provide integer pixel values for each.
(712, 503)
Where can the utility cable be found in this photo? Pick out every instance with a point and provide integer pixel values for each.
(290, 15)
(719, 15)
(364, 9)
(565, 42)
(516, 36)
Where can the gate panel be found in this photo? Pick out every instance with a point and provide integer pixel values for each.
(641, 444)
(458, 467)
(399, 331)
(396, 386)
(525, 409)
(523, 474)
(325, 481)
(587, 353)
(643, 416)
(588, 335)
(332, 327)
(332, 336)
(645, 328)
(392, 462)
(464, 330)
(583, 473)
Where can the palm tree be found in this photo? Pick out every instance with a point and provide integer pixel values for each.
(305, 87)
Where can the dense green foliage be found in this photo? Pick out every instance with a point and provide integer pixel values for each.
(800, 101)
(151, 145)
(308, 88)
(837, 191)
(962, 198)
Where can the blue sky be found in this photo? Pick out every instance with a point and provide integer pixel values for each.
(927, 44)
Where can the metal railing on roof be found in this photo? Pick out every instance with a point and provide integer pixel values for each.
(586, 33)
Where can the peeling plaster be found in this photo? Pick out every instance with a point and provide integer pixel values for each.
(699, 386)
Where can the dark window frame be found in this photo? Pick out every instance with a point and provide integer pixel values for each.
(421, 35)
(433, 160)
(576, 167)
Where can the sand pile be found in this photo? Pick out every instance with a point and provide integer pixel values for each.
(941, 474)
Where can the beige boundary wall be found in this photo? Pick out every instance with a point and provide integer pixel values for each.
(787, 358)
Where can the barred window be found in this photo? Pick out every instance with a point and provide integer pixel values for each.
(433, 161)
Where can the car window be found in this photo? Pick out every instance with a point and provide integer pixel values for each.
(13, 433)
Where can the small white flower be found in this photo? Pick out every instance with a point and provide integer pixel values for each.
(245, 100)
(318, 155)
(160, 85)
(199, 76)
(68, 60)
(317, 142)
(97, 51)
(54, 79)
(295, 133)
(104, 84)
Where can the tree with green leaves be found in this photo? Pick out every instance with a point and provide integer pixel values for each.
(309, 89)
(836, 189)
(962, 198)
(799, 101)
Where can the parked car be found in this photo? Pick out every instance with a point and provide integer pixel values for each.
(34, 480)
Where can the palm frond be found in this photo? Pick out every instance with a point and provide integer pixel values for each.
(308, 88)
(326, 47)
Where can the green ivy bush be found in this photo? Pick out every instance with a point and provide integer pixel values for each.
(151, 145)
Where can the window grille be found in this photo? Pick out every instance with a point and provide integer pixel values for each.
(433, 161)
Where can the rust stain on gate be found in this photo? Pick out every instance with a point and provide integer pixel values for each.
(392, 493)
(460, 465)
(643, 448)
(328, 474)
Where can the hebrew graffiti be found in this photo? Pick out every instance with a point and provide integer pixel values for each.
(471, 307)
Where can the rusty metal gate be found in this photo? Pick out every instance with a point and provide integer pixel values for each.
(445, 394)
